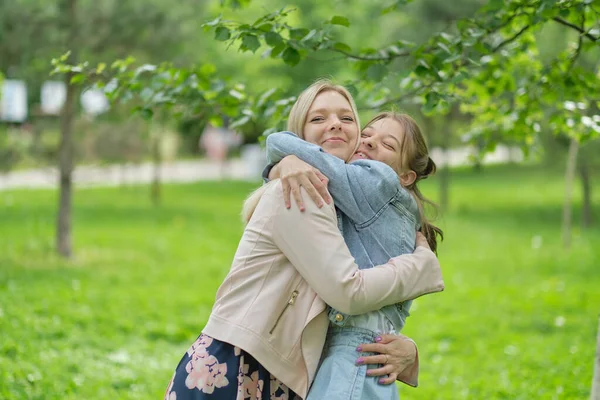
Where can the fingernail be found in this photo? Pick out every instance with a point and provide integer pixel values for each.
(369, 373)
(381, 381)
(378, 339)
(360, 361)
(359, 348)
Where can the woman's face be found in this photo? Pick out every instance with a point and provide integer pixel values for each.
(331, 124)
(381, 141)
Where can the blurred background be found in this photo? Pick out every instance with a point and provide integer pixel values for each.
(131, 132)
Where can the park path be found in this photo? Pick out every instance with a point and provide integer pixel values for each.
(191, 171)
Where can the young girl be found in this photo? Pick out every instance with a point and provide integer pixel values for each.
(267, 328)
(379, 209)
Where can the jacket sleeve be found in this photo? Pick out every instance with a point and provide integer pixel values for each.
(314, 245)
(359, 189)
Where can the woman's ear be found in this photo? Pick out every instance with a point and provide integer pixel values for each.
(408, 178)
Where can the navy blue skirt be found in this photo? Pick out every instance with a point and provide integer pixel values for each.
(212, 369)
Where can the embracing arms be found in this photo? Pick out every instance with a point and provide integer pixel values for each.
(313, 244)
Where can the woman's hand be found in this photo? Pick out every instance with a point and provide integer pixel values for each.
(295, 173)
(396, 353)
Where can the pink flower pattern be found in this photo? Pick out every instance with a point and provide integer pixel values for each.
(205, 373)
(249, 386)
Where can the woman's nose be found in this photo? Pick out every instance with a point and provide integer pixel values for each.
(336, 124)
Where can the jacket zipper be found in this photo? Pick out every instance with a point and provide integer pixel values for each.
(290, 302)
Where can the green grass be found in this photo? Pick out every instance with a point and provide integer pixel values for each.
(514, 322)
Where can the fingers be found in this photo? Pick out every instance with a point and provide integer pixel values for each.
(372, 348)
(385, 339)
(391, 378)
(311, 187)
(285, 185)
(320, 188)
(291, 185)
(378, 359)
(324, 181)
(385, 370)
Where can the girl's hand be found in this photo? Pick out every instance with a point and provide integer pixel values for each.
(422, 241)
(295, 173)
(396, 353)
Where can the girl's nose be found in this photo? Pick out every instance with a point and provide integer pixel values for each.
(369, 142)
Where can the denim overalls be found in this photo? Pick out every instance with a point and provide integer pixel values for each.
(378, 219)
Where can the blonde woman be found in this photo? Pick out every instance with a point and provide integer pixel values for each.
(265, 335)
(379, 209)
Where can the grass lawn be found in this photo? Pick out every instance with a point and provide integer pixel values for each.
(518, 318)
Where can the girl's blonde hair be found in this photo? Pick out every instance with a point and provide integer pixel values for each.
(295, 124)
(414, 155)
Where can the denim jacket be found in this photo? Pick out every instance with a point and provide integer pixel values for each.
(376, 215)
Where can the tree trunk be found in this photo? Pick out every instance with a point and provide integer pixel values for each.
(155, 190)
(569, 178)
(584, 173)
(66, 151)
(596, 378)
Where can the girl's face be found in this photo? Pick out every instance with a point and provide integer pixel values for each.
(381, 141)
(331, 124)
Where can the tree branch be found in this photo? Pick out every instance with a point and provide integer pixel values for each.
(578, 29)
(399, 99)
(509, 40)
(371, 58)
(579, 43)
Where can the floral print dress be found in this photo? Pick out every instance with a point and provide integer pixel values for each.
(212, 369)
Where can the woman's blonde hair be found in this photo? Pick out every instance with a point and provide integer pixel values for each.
(295, 124)
(414, 155)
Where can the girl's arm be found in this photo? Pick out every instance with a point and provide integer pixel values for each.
(314, 245)
(359, 189)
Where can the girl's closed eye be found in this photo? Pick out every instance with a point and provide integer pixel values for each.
(349, 119)
(316, 119)
(389, 146)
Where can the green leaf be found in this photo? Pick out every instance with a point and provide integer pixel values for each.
(343, 47)
(291, 56)
(146, 113)
(266, 27)
(250, 42)
(77, 79)
(340, 20)
(277, 50)
(208, 69)
(298, 34)
(214, 22)
(222, 34)
(242, 121)
(100, 68)
(273, 39)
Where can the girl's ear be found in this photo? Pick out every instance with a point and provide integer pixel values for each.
(408, 178)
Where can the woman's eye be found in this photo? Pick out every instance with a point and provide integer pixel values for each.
(315, 119)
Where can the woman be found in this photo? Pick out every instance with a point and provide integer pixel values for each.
(379, 207)
(268, 325)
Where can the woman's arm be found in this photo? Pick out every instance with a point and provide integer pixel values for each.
(359, 189)
(314, 245)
